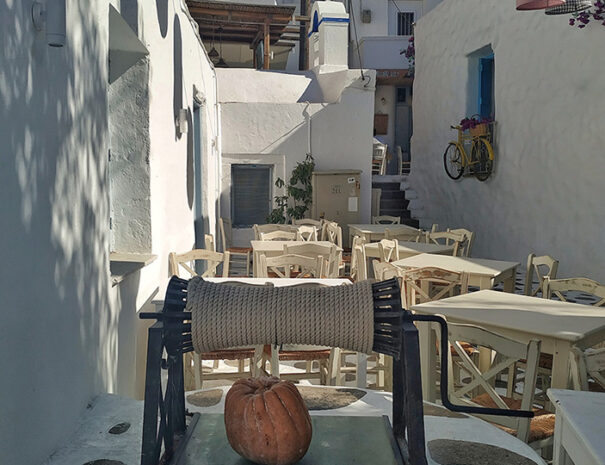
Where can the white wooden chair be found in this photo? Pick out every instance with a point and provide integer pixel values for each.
(543, 267)
(192, 362)
(464, 249)
(427, 284)
(405, 235)
(379, 158)
(267, 228)
(241, 253)
(537, 431)
(386, 219)
(404, 165)
(357, 241)
(588, 369)
(385, 270)
(307, 233)
(209, 242)
(358, 254)
(187, 261)
(560, 288)
(328, 252)
(388, 250)
(308, 222)
(447, 238)
(278, 236)
(291, 266)
(331, 232)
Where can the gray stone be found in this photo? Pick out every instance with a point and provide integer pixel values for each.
(329, 399)
(451, 452)
(119, 428)
(205, 398)
(433, 410)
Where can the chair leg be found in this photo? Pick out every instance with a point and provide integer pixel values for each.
(197, 369)
(240, 365)
(309, 366)
(247, 264)
(323, 372)
(275, 360)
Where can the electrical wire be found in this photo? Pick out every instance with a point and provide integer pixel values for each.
(363, 78)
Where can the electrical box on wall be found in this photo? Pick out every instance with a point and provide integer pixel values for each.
(336, 197)
(366, 16)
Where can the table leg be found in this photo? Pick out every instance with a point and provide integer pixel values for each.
(509, 281)
(254, 264)
(560, 365)
(362, 370)
(428, 361)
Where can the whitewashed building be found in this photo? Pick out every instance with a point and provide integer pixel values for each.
(99, 184)
(546, 192)
(380, 30)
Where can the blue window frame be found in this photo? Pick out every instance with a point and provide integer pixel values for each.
(486, 104)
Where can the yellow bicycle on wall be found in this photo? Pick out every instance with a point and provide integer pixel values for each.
(481, 161)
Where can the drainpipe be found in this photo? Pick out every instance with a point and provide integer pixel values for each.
(308, 123)
(302, 49)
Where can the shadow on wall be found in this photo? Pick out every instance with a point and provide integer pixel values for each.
(129, 9)
(178, 73)
(162, 11)
(58, 337)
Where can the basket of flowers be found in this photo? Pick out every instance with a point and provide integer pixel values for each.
(477, 125)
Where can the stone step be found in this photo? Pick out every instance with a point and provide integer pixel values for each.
(393, 204)
(392, 195)
(395, 212)
(387, 186)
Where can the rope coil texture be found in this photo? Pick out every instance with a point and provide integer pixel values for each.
(226, 315)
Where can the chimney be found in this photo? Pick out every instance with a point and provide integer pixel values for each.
(328, 35)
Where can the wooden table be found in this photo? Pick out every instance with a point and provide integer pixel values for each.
(579, 427)
(410, 249)
(375, 232)
(482, 273)
(559, 325)
(275, 248)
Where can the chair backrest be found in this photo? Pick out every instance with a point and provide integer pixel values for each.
(543, 267)
(388, 250)
(357, 241)
(509, 352)
(464, 249)
(291, 266)
(560, 288)
(361, 265)
(331, 232)
(328, 252)
(386, 219)
(226, 229)
(589, 368)
(209, 242)
(278, 236)
(187, 261)
(421, 285)
(447, 238)
(266, 228)
(385, 270)
(407, 235)
(307, 222)
(307, 233)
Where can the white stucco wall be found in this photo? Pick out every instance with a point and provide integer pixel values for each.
(546, 194)
(258, 129)
(66, 333)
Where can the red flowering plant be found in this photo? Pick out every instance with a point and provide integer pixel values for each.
(582, 18)
(410, 54)
(474, 121)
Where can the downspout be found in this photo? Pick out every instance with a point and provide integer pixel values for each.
(308, 123)
(302, 49)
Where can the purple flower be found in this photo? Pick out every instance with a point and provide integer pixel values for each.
(572, 21)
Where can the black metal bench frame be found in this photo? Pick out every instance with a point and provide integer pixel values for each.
(164, 417)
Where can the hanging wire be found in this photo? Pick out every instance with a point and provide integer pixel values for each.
(363, 78)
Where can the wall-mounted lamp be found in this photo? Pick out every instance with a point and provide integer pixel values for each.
(51, 14)
(181, 121)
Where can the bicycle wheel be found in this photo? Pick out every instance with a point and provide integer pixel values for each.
(452, 160)
(482, 159)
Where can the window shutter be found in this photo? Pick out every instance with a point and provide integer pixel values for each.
(250, 194)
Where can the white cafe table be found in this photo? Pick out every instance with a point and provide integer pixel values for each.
(559, 325)
(275, 248)
(482, 272)
(579, 427)
(410, 249)
(375, 232)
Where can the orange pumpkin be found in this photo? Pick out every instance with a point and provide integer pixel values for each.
(267, 421)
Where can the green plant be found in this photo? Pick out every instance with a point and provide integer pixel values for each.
(299, 194)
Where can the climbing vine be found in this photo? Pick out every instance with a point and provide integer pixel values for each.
(299, 194)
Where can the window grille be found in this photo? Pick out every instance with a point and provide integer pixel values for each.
(405, 22)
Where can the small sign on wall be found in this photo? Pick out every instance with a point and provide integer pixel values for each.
(353, 204)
